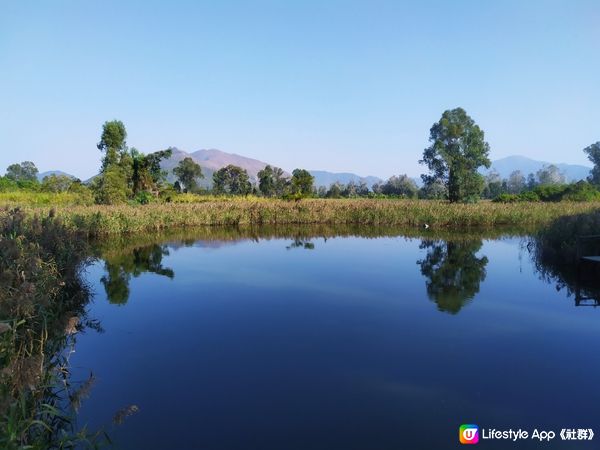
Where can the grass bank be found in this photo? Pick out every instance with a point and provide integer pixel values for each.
(42, 308)
(101, 220)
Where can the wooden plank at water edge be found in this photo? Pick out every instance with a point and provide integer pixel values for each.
(592, 258)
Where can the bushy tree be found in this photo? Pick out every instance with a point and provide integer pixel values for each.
(593, 153)
(549, 175)
(112, 187)
(272, 181)
(516, 182)
(26, 171)
(434, 191)
(457, 150)
(302, 182)
(146, 174)
(231, 180)
(335, 190)
(401, 186)
(57, 183)
(493, 185)
(112, 143)
(188, 173)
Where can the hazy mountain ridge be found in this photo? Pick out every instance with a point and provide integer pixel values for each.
(48, 173)
(212, 159)
(505, 166)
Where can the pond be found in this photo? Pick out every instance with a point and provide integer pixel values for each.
(308, 338)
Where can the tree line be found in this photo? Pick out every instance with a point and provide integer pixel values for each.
(454, 158)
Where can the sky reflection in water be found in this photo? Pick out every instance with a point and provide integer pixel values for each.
(332, 343)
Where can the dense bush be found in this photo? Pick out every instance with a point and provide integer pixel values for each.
(581, 191)
(42, 301)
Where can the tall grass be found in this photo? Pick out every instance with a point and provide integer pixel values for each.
(30, 198)
(42, 306)
(98, 220)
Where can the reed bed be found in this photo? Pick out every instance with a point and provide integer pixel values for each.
(102, 220)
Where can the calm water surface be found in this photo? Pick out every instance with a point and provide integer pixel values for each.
(332, 343)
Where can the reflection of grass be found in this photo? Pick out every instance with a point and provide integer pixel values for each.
(155, 217)
(114, 246)
(42, 301)
(554, 250)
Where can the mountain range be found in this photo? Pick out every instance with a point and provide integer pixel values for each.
(212, 160)
(505, 166)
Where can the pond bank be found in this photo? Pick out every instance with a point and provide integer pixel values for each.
(102, 220)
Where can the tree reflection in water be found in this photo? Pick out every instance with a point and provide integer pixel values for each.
(453, 272)
(120, 267)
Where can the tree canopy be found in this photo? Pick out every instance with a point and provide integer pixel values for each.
(593, 153)
(457, 150)
(112, 142)
(26, 171)
(302, 182)
(188, 172)
(272, 182)
(231, 180)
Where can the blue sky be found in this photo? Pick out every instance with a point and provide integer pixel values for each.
(333, 85)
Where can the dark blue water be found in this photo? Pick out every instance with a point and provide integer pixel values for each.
(338, 343)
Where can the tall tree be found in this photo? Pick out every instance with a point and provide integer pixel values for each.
(271, 181)
(26, 171)
(516, 182)
(112, 143)
(188, 172)
(147, 174)
(457, 150)
(549, 175)
(232, 180)
(302, 182)
(593, 152)
(401, 185)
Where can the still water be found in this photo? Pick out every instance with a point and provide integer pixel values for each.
(368, 340)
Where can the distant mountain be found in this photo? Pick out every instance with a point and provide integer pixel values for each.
(212, 160)
(43, 175)
(506, 166)
(326, 179)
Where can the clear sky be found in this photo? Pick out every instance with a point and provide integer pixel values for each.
(332, 85)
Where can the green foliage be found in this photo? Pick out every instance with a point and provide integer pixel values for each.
(516, 182)
(26, 171)
(6, 184)
(188, 172)
(231, 180)
(112, 142)
(111, 186)
(272, 182)
(457, 150)
(143, 197)
(399, 186)
(581, 191)
(42, 308)
(550, 175)
(302, 183)
(146, 174)
(593, 153)
(436, 190)
(57, 183)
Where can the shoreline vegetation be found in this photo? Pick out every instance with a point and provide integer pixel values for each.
(98, 220)
(43, 301)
